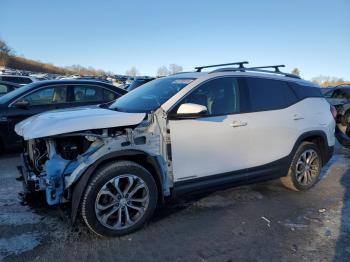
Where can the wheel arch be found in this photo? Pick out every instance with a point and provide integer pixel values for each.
(319, 138)
(151, 163)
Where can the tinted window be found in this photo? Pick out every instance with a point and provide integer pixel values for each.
(151, 95)
(88, 94)
(221, 96)
(51, 95)
(268, 94)
(304, 91)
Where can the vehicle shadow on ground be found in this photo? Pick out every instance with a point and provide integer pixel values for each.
(342, 250)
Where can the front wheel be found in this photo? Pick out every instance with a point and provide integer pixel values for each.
(120, 198)
(305, 168)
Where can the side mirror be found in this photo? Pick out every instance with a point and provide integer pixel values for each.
(191, 110)
(22, 103)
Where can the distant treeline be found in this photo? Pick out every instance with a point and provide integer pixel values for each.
(10, 60)
(21, 63)
(325, 81)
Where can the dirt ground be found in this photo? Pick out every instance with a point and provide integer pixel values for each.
(260, 222)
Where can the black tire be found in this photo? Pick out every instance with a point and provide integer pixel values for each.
(291, 181)
(102, 177)
(344, 120)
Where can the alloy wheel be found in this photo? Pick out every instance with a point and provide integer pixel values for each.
(307, 167)
(122, 202)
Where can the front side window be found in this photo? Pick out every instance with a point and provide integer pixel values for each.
(220, 96)
(85, 93)
(51, 95)
(151, 95)
(269, 94)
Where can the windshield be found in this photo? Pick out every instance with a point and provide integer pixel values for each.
(9, 96)
(151, 95)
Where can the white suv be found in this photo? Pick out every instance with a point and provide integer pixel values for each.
(174, 135)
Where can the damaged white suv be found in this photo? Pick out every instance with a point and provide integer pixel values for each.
(178, 134)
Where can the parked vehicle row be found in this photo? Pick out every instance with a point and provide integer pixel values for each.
(115, 163)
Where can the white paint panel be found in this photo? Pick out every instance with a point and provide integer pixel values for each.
(75, 119)
(206, 146)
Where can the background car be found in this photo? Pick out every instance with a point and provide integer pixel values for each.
(339, 97)
(21, 80)
(6, 87)
(42, 96)
(138, 82)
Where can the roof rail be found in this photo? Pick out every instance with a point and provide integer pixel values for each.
(240, 64)
(259, 69)
(276, 67)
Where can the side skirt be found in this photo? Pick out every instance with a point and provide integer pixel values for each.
(269, 171)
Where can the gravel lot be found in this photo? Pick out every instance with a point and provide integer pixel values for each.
(261, 222)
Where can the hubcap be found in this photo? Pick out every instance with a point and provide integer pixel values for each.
(122, 201)
(307, 167)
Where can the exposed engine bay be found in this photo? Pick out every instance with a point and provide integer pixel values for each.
(56, 163)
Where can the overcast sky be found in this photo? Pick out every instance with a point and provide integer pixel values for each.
(312, 35)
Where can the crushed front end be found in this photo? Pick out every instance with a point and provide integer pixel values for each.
(54, 164)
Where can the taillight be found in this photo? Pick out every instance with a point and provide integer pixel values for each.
(334, 112)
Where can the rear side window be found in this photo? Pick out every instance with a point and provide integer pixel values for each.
(269, 94)
(304, 91)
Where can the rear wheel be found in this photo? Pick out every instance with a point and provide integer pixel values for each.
(305, 168)
(119, 199)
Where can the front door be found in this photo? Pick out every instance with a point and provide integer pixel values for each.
(217, 142)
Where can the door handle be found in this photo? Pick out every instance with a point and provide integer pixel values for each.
(238, 124)
(297, 117)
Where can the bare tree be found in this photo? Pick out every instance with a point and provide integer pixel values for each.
(132, 72)
(325, 81)
(162, 71)
(296, 71)
(5, 52)
(174, 68)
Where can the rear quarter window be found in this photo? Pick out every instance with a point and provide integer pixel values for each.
(305, 91)
(269, 94)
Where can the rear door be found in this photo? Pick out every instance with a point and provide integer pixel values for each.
(274, 120)
(217, 142)
(44, 99)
